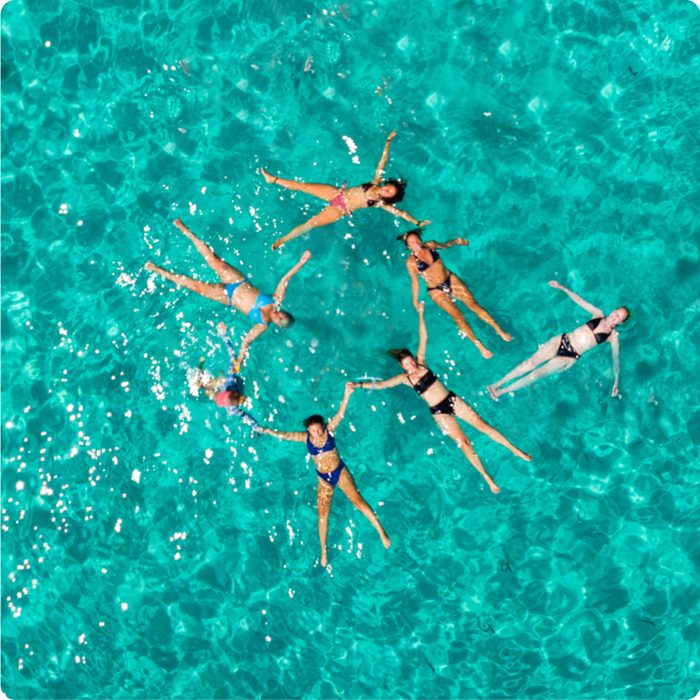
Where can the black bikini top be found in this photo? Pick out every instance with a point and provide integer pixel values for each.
(423, 266)
(599, 337)
(370, 202)
(425, 382)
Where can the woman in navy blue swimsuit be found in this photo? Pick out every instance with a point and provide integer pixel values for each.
(561, 352)
(330, 469)
(234, 290)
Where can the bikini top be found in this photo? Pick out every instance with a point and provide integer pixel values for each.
(262, 300)
(599, 337)
(423, 266)
(370, 202)
(328, 447)
(425, 382)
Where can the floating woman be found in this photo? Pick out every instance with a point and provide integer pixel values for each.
(443, 285)
(445, 406)
(227, 392)
(330, 470)
(561, 352)
(234, 290)
(343, 201)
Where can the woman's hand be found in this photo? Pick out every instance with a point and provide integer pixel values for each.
(278, 243)
(305, 257)
(349, 388)
(461, 241)
(391, 135)
(555, 284)
(615, 390)
(237, 366)
(423, 223)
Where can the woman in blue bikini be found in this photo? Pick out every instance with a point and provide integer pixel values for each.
(235, 290)
(561, 352)
(344, 201)
(330, 469)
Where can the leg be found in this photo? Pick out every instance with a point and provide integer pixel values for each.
(316, 189)
(328, 215)
(469, 415)
(545, 352)
(442, 299)
(450, 427)
(347, 484)
(227, 273)
(324, 499)
(215, 292)
(460, 291)
(556, 364)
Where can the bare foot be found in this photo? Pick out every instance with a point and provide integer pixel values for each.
(385, 540)
(493, 393)
(324, 556)
(268, 178)
(492, 486)
(522, 455)
(484, 351)
(506, 336)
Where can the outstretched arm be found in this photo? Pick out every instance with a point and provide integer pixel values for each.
(614, 341)
(434, 245)
(385, 384)
(415, 284)
(282, 286)
(334, 422)
(297, 436)
(402, 214)
(379, 172)
(255, 332)
(576, 298)
(422, 335)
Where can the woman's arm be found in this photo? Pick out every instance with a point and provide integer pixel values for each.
(434, 245)
(614, 341)
(415, 283)
(255, 332)
(576, 298)
(422, 335)
(402, 214)
(284, 435)
(334, 422)
(282, 286)
(385, 384)
(379, 172)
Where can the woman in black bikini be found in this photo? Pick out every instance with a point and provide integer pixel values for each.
(445, 406)
(561, 352)
(330, 469)
(344, 201)
(443, 285)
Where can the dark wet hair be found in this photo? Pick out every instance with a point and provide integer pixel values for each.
(400, 189)
(314, 419)
(413, 232)
(288, 320)
(401, 354)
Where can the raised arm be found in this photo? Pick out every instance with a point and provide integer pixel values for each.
(282, 286)
(255, 332)
(384, 384)
(614, 341)
(379, 172)
(334, 422)
(576, 298)
(298, 436)
(434, 245)
(402, 214)
(422, 335)
(412, 268)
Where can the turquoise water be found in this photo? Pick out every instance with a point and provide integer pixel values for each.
(560, 138)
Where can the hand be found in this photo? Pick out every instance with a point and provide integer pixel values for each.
(349, 387)
(423, 223)
(237, 366)
(304, 258)
(221, 328)
(555, 284)
(461, 241)
(614, 391)
(179, 224)
(391, 135)
(277, 244)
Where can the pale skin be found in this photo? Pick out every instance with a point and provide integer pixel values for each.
(414, 369)
(546, 361)
(245, 295)
(354, 197)
(326, 462)
(437, 274)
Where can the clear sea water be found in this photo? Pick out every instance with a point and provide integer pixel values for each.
(150, 547)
